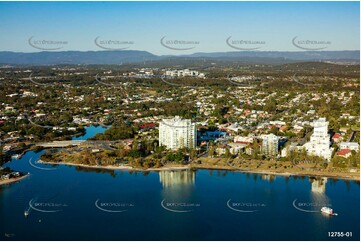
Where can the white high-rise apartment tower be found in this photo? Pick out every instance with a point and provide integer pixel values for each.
(270, 145)
(177, 133)
(319, 144)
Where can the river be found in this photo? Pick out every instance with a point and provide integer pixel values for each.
(72, 203)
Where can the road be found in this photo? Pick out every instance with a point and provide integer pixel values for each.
(60, 144)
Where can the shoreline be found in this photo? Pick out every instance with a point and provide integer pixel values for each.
(355, 177)
(124, 168)
(13, 180)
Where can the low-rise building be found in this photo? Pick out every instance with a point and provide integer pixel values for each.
(236, 148)
(336, 138)
(346, 153)
(243, 139)
(349, 145)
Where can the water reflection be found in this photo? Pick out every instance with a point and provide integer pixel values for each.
(318, 193)
(176, 178)
(268, 177)
(318, 185)
(178, 195)
(96, 170)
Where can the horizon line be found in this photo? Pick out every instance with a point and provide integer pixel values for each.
(214, 52)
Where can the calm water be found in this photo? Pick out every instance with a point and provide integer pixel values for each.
(69, 203)
(90, 132)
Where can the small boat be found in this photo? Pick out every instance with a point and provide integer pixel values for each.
(17, 156)
(26, 212)
(328, 211)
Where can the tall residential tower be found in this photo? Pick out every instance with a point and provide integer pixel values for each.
(177, 133)
(270, 145)
(319, 144)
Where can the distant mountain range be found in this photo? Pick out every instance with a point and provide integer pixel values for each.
(135, 56)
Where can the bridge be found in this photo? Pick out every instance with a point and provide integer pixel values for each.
(60, 144)
(67, 143)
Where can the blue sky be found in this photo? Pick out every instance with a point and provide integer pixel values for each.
(209, 24)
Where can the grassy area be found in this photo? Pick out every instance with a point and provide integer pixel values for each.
(104, 158)
(277, 167)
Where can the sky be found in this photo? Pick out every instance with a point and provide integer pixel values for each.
(205, 26)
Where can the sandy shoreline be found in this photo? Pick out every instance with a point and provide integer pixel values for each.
(12, 180)
(350, 176)
(125, 168)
